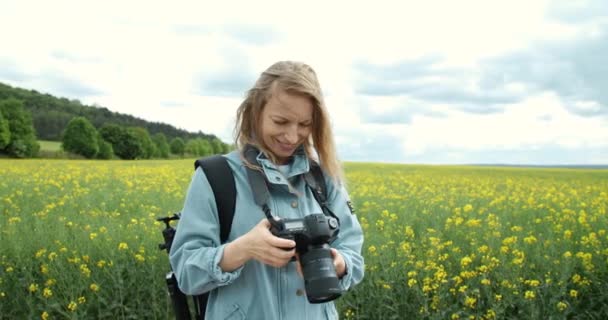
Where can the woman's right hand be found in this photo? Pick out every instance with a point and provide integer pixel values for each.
(259, 244)
(267, 248)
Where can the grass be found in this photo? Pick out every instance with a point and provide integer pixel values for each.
(52, 146)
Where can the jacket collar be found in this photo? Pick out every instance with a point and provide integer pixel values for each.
(298, 164)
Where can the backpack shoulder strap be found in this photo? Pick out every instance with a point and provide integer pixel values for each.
(221, 179)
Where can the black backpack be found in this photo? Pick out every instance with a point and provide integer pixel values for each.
(220, 177)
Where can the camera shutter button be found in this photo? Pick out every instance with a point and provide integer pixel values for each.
(294, 204)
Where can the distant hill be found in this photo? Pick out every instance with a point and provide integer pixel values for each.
(51, 114)
(556, 166)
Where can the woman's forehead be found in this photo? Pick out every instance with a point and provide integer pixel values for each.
(290, 105)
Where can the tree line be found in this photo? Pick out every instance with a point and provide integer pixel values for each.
(50, 115)
(80, 136)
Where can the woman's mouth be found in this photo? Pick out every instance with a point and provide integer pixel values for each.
(286, 147)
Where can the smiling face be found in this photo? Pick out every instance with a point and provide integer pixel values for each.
(286, 123)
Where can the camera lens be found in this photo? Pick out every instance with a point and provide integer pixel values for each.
(320, 277)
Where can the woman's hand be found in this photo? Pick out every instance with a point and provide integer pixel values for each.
(339, 262)
(259, 244)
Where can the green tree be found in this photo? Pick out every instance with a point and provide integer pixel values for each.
(177, 146)
(192, 147)
(226, 148)
(22, 135)
(80, 137)
(105, 150)
(162, 146)
(217, 146)
(5, 132)
(124, 142)
(205, 147)
(147, 146)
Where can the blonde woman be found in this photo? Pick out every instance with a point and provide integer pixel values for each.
(282, 131)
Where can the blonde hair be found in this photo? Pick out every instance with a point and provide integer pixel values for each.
(294, 78)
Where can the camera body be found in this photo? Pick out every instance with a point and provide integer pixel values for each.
(312, 235)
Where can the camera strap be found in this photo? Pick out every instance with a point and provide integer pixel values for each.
(257, 181)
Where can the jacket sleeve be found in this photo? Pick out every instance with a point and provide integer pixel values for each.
(350, 237)
(196, 250)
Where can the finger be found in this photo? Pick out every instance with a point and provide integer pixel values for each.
(276, 262)
(286, 254)
(299, 269)
(265, 223)
(334, 252)
(281, 243)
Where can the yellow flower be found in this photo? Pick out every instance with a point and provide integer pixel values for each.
(52, 256)
(530, 295)
(123, 246)
(44, 315)
(530, 239)
(573, 293)
(470, 302)
(411, 282)
(465, 261)
(94, 287)
(40, 253)
(84, 269)
(561, 306)
(47, 293)
(33, 288)
(532, 283)
(82, 300)
(72, 306)
(371, 249)
(13, 220)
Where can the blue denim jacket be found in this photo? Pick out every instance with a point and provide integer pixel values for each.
(256, 290)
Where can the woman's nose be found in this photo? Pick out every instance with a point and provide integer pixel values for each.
(291, 135)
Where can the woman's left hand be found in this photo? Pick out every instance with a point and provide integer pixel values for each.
(339, 263)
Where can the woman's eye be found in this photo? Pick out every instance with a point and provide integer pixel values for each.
(280, 123)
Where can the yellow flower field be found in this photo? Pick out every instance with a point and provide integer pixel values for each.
(80, 240)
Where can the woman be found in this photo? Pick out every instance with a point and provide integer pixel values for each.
(253, 275)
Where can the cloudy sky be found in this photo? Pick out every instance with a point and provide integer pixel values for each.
(438, 82)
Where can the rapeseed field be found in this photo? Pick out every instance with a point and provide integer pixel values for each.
(79, 239)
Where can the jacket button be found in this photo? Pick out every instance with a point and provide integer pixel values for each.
(294, 204)
(299, 292)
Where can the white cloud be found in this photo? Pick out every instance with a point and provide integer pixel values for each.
(188, 63)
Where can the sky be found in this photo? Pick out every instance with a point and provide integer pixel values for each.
(429, 82)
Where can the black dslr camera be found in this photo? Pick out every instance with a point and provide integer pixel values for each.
(312, 235)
